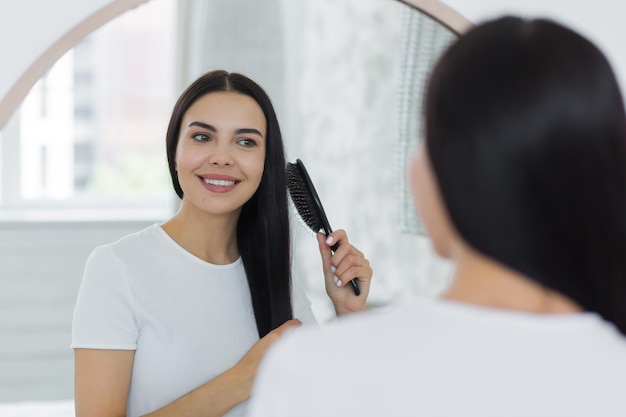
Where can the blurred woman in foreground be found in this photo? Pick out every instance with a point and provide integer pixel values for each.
(521, 182)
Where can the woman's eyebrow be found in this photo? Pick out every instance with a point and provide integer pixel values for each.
(248, 130)
(213, 129)
(203, 125)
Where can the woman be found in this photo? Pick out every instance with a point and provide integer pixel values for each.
(168, 320)
(521, 182)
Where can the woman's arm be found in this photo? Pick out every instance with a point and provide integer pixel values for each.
(102, 380)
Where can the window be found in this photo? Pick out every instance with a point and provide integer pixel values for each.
(91, 132)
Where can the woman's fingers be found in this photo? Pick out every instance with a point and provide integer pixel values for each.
(355, 272)
(249, 363)
(325, 252)
(287, 325)
(347, 262)
(275, 334)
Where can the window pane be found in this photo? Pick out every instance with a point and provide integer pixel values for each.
(92, 130)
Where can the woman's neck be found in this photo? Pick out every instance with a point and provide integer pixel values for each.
(481, 281)
(212, 238)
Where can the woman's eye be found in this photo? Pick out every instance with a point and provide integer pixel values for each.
(201, 137)
(248, 143)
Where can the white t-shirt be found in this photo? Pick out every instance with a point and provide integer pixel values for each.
(187, 320)
(441, 358)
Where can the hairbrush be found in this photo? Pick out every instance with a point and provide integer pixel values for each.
(308, 204)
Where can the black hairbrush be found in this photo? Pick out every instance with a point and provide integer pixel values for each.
(308, 204)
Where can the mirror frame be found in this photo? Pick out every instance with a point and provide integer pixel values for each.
(442, 13)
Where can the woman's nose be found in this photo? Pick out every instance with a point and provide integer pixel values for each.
(221, 155)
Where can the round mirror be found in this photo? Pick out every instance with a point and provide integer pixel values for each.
(346, 77)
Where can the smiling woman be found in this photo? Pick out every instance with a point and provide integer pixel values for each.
(217, 275)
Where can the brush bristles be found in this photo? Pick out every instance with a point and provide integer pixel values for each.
(302, 199)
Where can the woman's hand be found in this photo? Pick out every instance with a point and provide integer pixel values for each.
(247, 367)
(346, 264)
(222, 393)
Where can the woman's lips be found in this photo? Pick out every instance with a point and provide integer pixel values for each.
(219, 183)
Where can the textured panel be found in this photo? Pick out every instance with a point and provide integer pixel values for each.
(344, 126)
(423, 41)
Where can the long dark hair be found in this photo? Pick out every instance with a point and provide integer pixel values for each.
(263, 228)
(526, 133)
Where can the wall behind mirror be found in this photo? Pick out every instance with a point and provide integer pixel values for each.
(338, 72)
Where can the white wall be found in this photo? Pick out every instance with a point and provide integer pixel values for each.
(602, 21)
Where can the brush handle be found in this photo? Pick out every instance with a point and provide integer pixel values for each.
(325, 226)
(353, 282)
(355, 287)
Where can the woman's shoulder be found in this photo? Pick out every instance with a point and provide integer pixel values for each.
(138, 239)
(429, 323)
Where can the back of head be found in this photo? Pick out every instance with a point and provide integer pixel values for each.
(526, 134)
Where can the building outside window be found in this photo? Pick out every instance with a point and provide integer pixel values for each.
(90, 135)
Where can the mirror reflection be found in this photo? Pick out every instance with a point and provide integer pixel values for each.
(346, 79)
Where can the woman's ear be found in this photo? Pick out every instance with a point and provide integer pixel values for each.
(430, 206)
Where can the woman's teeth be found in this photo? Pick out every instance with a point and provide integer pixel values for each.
(221, 183)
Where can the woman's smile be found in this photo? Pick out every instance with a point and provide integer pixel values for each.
(219, 183)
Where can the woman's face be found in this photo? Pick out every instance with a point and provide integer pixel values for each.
(220, 154)
(430, 204)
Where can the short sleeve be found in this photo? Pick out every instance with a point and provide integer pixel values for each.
(103, 315)
(301, 304)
